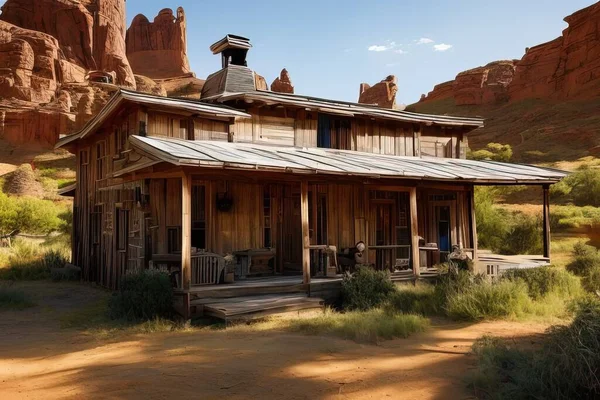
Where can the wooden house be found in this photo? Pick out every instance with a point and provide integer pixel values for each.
(284, 183)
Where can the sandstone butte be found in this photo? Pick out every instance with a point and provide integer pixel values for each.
(566, 68)
(158, 49)
(382, 94)
(61, 60)
(283, 83)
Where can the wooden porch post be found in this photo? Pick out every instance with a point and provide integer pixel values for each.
(414, 233)
(546, 239)
(186, 231)
(473, 224)
(305, 231)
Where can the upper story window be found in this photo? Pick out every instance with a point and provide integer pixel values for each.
(334, 133)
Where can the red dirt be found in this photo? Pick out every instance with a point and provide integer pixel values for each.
(40, 360)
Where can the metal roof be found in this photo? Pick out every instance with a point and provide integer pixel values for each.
(122, 95)
(246, 156)
(345, 108)
(230, 42)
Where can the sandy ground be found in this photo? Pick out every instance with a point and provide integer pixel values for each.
(39, 360)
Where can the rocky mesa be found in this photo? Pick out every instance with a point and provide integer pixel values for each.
(566, 68)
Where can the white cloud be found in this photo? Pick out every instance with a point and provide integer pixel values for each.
(384, 47)
(400, 51)
(442, 47)
(424, 40)
(378, 48)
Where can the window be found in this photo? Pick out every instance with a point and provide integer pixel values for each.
(173, 239)
(100, 160)
(334, 133)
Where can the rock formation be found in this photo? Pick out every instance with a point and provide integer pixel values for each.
(90, 33)
(382, 94)
(484, 85)
(158, 49)
(283, 83)
(565, 68)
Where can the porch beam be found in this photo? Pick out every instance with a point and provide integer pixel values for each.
(186, 231)
(473, 224)
(414, 233)
(305, 231)
(546, 228)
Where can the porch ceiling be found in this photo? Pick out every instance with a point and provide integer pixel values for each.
(247, 156)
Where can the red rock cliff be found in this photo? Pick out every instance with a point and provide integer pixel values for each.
(382, 94)
(158, 49)
(90, 33)
(565, 68)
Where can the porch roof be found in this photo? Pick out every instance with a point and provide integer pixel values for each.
(249, 156)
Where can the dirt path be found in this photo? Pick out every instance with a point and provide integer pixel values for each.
(40, 360)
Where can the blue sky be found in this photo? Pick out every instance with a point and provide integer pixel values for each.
(325, 44)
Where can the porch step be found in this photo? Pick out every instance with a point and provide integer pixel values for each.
(252, 307)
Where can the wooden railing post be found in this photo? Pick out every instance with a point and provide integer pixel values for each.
(546, 228)
(305, 231)
(414, 233)
(186, 231)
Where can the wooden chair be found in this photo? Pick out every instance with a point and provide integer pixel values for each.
(207, 268)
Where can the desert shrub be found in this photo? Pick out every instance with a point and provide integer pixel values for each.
(545, 280)
(492, 221)
(566, 366)
(29, 215)
(143, 295)
(584, 187)
(362, 326)
(523, 237)
(489, 301)
(493, 152)
(54, 259)
(591, 280)
(366, 289)
(585, 258)
(418, 299)
(11, 298)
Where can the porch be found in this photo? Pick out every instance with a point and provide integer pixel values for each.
(294, 216)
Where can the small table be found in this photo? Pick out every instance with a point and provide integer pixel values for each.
(254, 262)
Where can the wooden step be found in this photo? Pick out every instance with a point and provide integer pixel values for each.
(252, 307)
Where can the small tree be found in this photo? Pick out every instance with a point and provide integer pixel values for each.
(493, 152)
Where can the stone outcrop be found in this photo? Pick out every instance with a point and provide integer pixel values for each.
(484, 85)
(283, 83)
(566, 68)
(382, 94)
(90, 33)
(158, 49)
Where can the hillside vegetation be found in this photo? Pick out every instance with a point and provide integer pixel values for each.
(539, 131)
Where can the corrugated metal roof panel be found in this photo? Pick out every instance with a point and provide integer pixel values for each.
(339, 162)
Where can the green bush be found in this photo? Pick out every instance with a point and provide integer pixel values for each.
(523, 237)
(418, 299)
(585, 258)
(366, 289)
(489, 301)
(29, 215)
(54, 259)
(143, 295)
(14, 299)
(362, 326)
(584, 187)
(591, 280)
(493, 152)
(545, 280)
(492, 221)
(566, 366)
